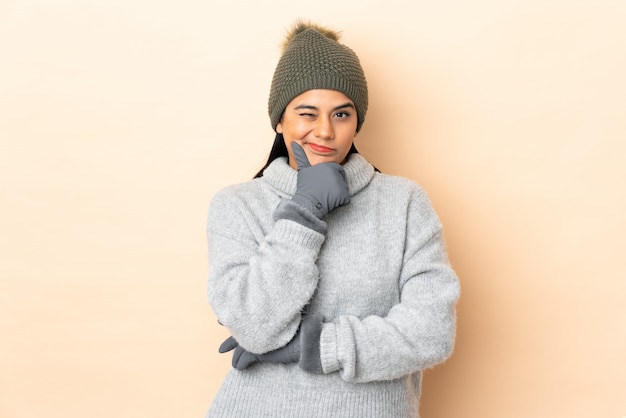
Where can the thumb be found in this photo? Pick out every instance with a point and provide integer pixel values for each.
(301, 158)
(228, 345)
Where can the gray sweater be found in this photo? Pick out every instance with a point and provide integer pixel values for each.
(379, 275)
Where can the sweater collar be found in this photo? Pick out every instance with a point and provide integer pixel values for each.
(280, 175)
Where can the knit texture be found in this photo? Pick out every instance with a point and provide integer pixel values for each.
(378, 275)
(312, 60)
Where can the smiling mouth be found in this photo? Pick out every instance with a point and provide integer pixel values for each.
(319, 148)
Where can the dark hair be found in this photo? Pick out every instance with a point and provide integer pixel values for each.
(279, 149)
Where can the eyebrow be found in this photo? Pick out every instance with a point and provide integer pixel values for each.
(305, 106)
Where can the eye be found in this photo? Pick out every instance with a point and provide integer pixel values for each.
(342, 115)
(307, 115)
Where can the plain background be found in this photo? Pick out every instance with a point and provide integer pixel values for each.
(119, 120)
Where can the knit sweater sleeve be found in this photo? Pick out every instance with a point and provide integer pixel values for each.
(416, 333)
(261, 272)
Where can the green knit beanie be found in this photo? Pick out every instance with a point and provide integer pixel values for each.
(314, 59)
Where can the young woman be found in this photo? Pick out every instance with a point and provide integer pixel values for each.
(331, 277)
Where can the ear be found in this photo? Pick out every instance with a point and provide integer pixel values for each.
(279, 127)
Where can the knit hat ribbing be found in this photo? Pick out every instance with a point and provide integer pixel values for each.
(313, 59)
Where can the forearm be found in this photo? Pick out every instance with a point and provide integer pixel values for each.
(259, 292)
(384, 348)
(416, 333)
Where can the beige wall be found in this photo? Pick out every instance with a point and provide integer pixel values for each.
(120, 119)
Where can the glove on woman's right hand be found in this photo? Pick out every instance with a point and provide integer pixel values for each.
(320, 188)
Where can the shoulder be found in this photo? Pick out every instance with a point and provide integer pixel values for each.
(399, 185)
(406, 194)
(230, 198)
(234, 191)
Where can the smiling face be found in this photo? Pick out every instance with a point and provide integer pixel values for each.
(323, 122)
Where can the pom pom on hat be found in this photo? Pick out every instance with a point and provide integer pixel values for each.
(312, 58)
(300, 26)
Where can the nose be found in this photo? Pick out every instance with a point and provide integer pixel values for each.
(324, 128)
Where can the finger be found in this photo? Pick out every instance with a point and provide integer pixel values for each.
(236, 356)
(301, 158)
(245, 360)
(228, 345)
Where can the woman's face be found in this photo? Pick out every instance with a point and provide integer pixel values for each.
(323, 122)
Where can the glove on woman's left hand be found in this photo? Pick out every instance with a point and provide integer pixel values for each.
(290, 353)
(304, 349)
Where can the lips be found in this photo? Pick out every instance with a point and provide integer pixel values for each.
(319, 148)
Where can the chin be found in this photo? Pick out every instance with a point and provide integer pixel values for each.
(318, 159)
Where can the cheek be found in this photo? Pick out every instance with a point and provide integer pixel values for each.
(296, 128)
(344, 149)
(347, 139)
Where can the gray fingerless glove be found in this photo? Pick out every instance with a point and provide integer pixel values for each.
(320, 188)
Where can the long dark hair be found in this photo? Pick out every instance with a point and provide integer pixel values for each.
(279, 149)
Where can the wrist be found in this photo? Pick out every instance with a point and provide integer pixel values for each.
(310, 332)
(293, 211)
(315, 208)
